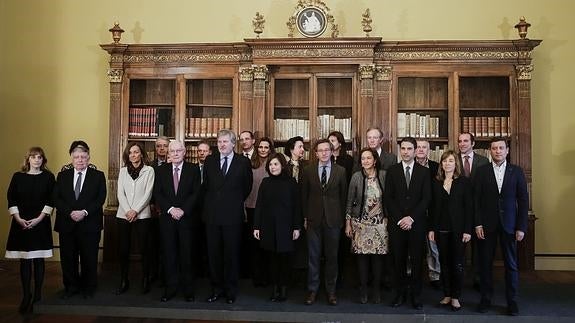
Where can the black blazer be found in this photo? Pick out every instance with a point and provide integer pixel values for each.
(401, 201)
(91, 199)
(186, 196)
(507, 209)
(478, 161)
(433, 167)
(459, 205)
(225, 195)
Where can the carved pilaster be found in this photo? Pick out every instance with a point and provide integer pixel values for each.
(524, 71)
(366, 71)
(383, 72)
(246, 74)
(259, 104)
(260, 72)
(115, 75)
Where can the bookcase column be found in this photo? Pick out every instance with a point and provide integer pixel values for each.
(382, 110)
(245, 111)
(260, 94)
(366, 112)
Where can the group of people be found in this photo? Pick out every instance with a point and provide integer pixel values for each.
(279, 216)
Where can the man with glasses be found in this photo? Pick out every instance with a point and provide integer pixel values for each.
(324, 194)
(176, 189)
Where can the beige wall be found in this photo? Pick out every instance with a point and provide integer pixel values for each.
(53, 84)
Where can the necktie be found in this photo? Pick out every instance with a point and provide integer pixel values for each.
(467, 166)
(247, 155)
(225, 166)
(78, 186)
(176, 179)
(201, 173)
(407, 176)
(323, 176)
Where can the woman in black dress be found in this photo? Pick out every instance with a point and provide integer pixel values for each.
(277, 222)
(30, 238)
(451, 225)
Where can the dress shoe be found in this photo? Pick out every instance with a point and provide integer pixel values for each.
(88, 294)
(310, 299)
(416, 303)
(332, 299)
(68, 293)
(124, 286)
(230, 299)
(398, 300)
(376, 297)
(214, 297)
(282, 297)
(483, 306)
(512, 308)
(167, 296)
(26, 304)
(189, 298)
(275, 294)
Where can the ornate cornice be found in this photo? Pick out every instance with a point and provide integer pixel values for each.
(185, 58)
(115, 75)
(366, 71)
(446, 55)
(383, 72)
(313, 52)
(524, 71)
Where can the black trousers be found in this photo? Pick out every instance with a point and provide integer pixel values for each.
(223, 243)
(252, 255)
(79, 250)
(143, 235)
(177, 254)
(407, 244)
(509, 252)
(451, 259)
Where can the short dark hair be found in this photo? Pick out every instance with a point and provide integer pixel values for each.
(471, 136)
(79, 144)
(496, 139)
(247, 131)
(338, 135)
(282, 161)
(126, 154)
(375, 156)
(290, 145)
(322, 141)
(410, 140)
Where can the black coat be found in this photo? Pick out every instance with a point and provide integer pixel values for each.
(278, 213)
(459, 205)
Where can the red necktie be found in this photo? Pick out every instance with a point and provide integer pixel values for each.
(467, 166)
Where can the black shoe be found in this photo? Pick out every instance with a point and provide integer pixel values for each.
(275, 294)
(435, 284)
(214, 297)
(398, 300)
(167, 296)
(26, 304)
(283, 294)
(189, 298)
(230, 299)
(88, 294)
(376, 297)
(124, 286)
(512, 308)
(483, 306)
(416, 303)
(68, 293)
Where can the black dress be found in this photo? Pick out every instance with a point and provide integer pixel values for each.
(30, 193)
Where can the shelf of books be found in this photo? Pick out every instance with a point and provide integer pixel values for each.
(422, 108)
(334, 106)
(484, 107)
(209, 107)
(291, 109)
(151, 109)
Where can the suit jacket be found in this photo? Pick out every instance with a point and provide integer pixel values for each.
(225, 195)
(184, 198)
(387, 160)
(507, 209)
(329, 201)
(433, 167)
(478, 161)
(91, 199)
(302, 165)
(459, 205)
(401, 201)
(135, 194)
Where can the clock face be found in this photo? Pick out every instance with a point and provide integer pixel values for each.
(311, 22)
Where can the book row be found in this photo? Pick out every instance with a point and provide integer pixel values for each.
(206, 127)
(417, 125)
(486, 126)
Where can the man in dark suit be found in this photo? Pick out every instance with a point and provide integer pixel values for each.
(227, 183)
(501, 206)
(375, 141)
(407, 196)
(324, 194)
(79, 195)
(433, 265)
(176, 188)
(470, 162)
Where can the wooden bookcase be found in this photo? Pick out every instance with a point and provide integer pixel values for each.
(277, 85)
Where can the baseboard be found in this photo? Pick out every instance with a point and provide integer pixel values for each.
(555, 262)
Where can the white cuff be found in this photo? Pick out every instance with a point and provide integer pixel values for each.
(13, 210)
(47, 209)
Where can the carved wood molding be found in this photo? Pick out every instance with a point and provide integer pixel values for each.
(524, 71)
